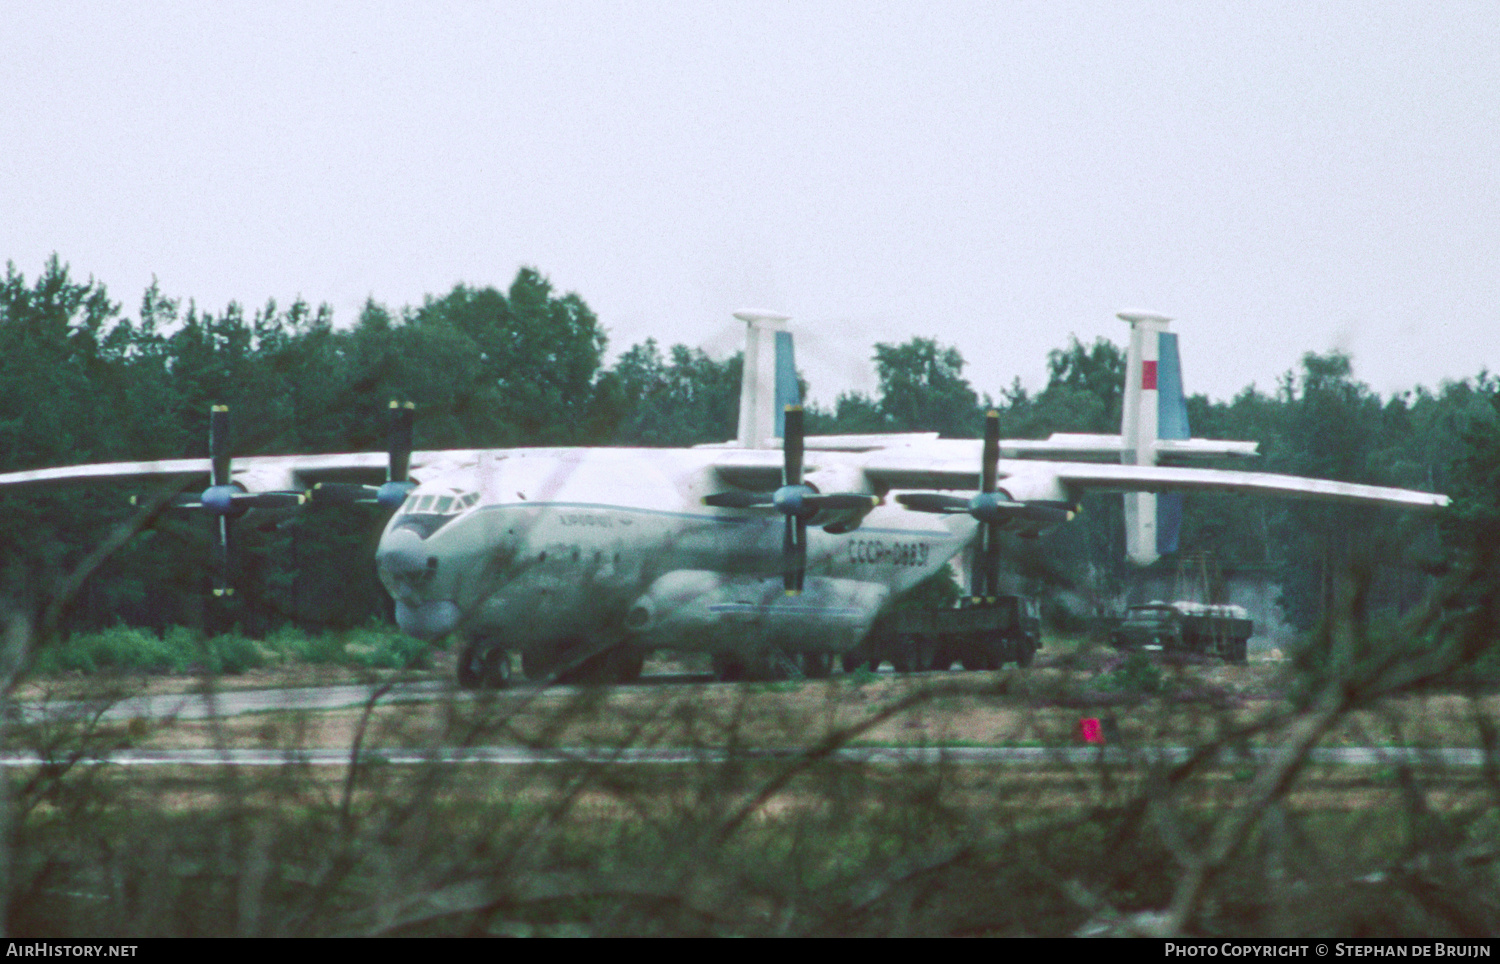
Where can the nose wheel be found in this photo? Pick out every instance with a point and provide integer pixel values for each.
(482, 665)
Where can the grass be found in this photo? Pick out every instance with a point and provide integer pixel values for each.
(793, 842)
(835, 850)
(182, 651)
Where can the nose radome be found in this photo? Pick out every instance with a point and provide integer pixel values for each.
(401, 552)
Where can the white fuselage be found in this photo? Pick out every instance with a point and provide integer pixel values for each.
(537, 550)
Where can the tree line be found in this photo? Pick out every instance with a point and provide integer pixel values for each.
(85, 381)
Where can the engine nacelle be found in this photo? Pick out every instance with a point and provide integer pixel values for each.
(714, 612)
(1035, 488)
(842, 479)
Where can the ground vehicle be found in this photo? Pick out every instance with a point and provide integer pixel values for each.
(980, 632)
(1186, 627)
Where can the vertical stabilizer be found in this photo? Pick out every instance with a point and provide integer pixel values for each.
(768, 382)
(1154, 408)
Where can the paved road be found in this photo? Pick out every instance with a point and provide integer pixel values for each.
(519, 756)
(198, 706)
(189, 706)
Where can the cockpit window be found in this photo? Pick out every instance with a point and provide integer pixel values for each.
(451, 503)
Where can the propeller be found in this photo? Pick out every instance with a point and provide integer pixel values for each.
(226, 500)
(993, 507)
(797, 501)
(397, 484)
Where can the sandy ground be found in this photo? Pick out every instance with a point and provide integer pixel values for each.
(1043, 706)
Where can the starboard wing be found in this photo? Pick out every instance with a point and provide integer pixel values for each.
(255, 472)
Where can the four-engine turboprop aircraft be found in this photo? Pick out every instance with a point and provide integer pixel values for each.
(587, 559)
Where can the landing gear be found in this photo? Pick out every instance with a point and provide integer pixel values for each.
(482, 665)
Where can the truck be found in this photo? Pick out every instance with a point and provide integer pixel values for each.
(1206, 629)
(979, 632)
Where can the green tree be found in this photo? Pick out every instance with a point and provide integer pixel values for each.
(922, 388)
(682, 400)
(505, 369)
(1096, 371)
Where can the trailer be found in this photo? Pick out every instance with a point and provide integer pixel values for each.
(1186, 627)
(980, 632)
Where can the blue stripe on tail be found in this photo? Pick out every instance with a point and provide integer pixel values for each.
(1171, 406)
(1168, 521)
(1171, 423)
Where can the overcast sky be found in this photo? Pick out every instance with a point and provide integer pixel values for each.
(1278, 177)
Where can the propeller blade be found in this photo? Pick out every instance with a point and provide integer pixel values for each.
(933, 502)
(792, 499)
(218, 444)
(794, 552)
(791, 446)
(990, 564)
(399, 441)
(269, 500)
(990, 459)
(737, 499)
(841, 501)
(393, 492)
(1046, 514)
(978, 569)
(342, 493)
(223, 538)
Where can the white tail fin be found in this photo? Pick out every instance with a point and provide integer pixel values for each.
(768, 383)
(1155, 408)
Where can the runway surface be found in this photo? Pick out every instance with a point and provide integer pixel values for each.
(968, 755)
(197, 706)
(223, 703)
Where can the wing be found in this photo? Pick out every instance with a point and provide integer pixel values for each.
(164, 468)
(1058, 445)
(257, 473)
(951, 468)
(1147, 478)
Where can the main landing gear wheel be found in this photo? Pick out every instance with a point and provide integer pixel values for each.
(483, 667)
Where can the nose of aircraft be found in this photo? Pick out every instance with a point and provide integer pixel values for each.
(407, 568)
(402, 554)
